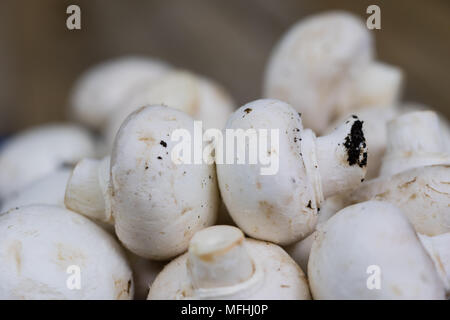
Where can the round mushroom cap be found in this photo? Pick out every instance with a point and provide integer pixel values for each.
(197, 96)
(44, 250)
(158, 201)
(38, 151)
(370, 251)
(312, 65)
(275, 276)
(47, 190)
(279, 206)
(98, 90)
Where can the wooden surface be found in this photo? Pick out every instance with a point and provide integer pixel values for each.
(226, 40)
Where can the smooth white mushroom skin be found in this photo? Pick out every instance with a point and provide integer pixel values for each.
(274, 275)
(311, 65)
(281, 207)
(47, 190)
(39, 243)
(438, 247)
(156, 203)
(87, 190)
(369, 234)
(36, 152)
(98, 91)
(423, 194)
(415, 139)
(197, 96)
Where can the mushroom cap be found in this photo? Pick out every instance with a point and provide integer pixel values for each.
(156, 203)
(197, 96)
(423, 194)
(38, 151)
(275, 276)
(311, 66)
(438, 247)
(280, 208)
(368, 234)
(37, 245)
(47, 190)
(98, 90)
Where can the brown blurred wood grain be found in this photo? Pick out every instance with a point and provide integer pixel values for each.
(226, 40)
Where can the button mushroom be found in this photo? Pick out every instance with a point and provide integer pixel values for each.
(48, 252)
(282, 207)
(39, 151)
(100, 89)
(197, 96)
(323, 66)
(222, 264)
(156, 204)
(370, 251)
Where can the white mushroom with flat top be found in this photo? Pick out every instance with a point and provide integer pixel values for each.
(38, 151)
(370, 251)
(282, 206)
(48, 252)
(222, 264)
(155, 203)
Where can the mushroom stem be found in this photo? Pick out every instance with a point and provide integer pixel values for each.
(415, 140)
(86, 191)
(217, 257)
(342, 157)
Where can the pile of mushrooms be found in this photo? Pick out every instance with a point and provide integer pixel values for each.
(353, 202)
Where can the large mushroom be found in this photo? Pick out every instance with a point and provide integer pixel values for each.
(281, 206)
(370, 251)
(48, 252)
(155, 203)
(222, 264)
(324, 67)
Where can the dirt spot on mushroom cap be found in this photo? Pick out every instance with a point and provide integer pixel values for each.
(355, 143)
(15, 251)
(266, 207)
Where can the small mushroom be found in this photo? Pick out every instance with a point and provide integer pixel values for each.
(156, 204)
(38, 151)
(281, 206)
(370, 251)
(197, 96)
(438, 247)
(48, 252)
(222, 264)
(47, 190)
(98, 91)
(323, 66)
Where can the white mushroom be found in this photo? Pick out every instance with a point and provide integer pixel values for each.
(323, 66)
(156, 204)
(370, 251)
(101, 88)
(414, 140)
(48, 252)
(222, 264)
(438, 247)
(47, 190)
(281, 206)
(199, 97)
(38, 151)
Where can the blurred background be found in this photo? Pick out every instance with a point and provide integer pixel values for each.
(229, 41)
